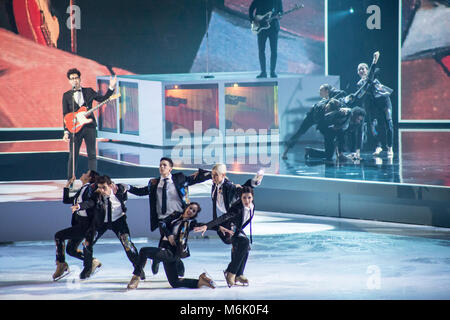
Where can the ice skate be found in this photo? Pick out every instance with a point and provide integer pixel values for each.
(242, 280)
(62, 270)
(134, 282)
(96, 264)
(230, 278)
(204, 280)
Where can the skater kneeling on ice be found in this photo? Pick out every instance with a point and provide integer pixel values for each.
(172, 247)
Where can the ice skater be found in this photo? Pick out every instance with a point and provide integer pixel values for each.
(225, 193)
(173, 247)
(110, 214)
(235, 221)
(81, 220)
(168, 194)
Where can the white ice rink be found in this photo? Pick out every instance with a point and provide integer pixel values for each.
(292, 257)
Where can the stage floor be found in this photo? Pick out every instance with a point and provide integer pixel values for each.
(292, 257)
(422, 158)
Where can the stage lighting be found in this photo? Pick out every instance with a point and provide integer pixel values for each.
(351, 10)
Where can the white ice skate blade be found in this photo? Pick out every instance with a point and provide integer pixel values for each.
(65, 274)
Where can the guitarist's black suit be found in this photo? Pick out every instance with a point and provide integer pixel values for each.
(262, 7)
(88, 132)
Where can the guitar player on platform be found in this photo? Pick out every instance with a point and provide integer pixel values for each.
(262, 7)
(73, 100)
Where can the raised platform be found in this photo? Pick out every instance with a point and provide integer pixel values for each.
(161, 110)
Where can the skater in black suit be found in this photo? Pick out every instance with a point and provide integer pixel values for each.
(235, 221)
(168, 194)
(108, 203)
(173, 247)
(225, 193)
(81, 220)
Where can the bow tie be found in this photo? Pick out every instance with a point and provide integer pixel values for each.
(79, 90)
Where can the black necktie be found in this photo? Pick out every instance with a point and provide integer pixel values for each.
(109, 213)
(215, 202)
(251, 218)
(164, 198)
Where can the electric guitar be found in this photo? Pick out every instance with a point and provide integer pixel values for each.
(35, 21)
(75, 121)
(262, 22)
(363, 89)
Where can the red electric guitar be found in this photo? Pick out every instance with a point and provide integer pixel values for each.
(74, 121)
(35, 21)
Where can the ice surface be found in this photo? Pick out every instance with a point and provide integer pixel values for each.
(292, 257)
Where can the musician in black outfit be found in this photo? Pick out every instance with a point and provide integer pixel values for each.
(108, 203)
(375, 99)
(235, 220)
(168, 194)
(262, 7)
(72, 100)
(173, 247)
(81, 221)
(333, 127)
(315, 114)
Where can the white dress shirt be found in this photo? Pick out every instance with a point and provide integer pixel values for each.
(82, 213)
(220, 203)
(78, 96)
(173, 200)
(247, 214)
(116, 208)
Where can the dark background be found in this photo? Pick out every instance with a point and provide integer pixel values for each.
(350, 42)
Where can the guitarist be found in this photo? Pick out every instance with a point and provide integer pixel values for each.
(375, 99)
(262, 7)
(73, 100)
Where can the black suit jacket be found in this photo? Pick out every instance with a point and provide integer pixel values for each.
(264, 6)
(97, 205)
(89, 96)
(67, 199)
(231, 193)
(233, 220)
(181, 182)
(167, 226)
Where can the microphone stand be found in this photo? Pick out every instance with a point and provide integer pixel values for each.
(208, 75)
(74, 121)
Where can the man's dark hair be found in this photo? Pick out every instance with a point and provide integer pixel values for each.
(93, 176)
(103, 179)
(73, 71)
(247, 189)
(168, 160)
(358, 111)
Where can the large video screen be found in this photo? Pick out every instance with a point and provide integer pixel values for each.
(425, 56)
(41, 39)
